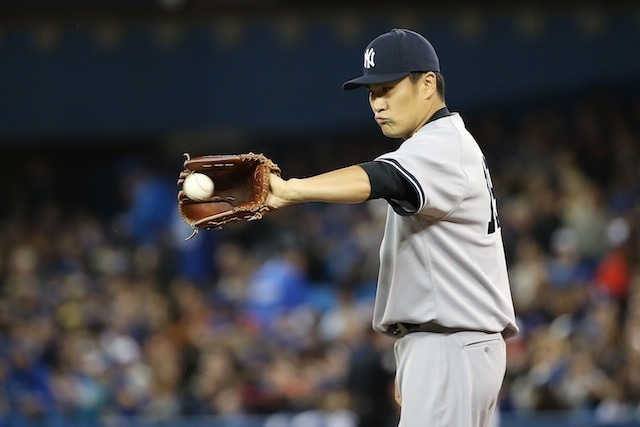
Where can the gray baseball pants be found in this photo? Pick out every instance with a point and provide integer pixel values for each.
(449, 380)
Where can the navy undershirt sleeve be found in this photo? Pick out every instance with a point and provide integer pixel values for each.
(387, 183)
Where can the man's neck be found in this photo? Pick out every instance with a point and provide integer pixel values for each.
(436, 111)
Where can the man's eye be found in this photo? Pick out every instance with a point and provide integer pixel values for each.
(387, 89)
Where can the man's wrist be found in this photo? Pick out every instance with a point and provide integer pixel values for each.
(292, 190)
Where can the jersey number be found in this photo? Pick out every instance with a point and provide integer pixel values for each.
(493, 223)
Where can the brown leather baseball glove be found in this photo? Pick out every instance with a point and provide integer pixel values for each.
(240, 193)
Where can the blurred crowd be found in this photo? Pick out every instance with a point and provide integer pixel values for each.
(113, 316)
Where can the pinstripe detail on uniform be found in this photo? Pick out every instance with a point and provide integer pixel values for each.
(409, 177)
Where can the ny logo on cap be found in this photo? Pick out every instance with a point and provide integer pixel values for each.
(368, 58)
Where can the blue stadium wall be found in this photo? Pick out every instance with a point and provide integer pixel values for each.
(68, 83)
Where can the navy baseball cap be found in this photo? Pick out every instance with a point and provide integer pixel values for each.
(394, 55)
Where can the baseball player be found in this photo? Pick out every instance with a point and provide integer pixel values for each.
(442, 289)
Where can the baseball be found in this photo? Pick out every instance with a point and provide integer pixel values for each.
(198, 187)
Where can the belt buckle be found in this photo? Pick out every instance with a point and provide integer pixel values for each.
(400, 330)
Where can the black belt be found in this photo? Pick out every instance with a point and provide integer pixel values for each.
(400, 329)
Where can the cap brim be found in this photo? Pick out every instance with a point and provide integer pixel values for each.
(372, 79)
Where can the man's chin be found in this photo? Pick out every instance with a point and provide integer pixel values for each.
(389, 133)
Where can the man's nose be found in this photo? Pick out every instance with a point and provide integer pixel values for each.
(378, 104)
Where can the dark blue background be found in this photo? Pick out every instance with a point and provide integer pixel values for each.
(266, 86)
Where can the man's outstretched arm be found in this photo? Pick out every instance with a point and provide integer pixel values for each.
(347, 185)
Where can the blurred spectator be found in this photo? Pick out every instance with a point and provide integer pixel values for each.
(150, 197)
(613, 272)
(276, 293)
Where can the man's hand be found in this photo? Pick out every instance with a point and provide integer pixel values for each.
(277, 192)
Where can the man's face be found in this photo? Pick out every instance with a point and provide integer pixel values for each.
(399, 107)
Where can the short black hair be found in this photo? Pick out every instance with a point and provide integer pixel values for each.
(417, 75)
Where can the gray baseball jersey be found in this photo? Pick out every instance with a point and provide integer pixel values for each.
(444, 260)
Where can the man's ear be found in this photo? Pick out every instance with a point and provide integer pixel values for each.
(429, 84)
